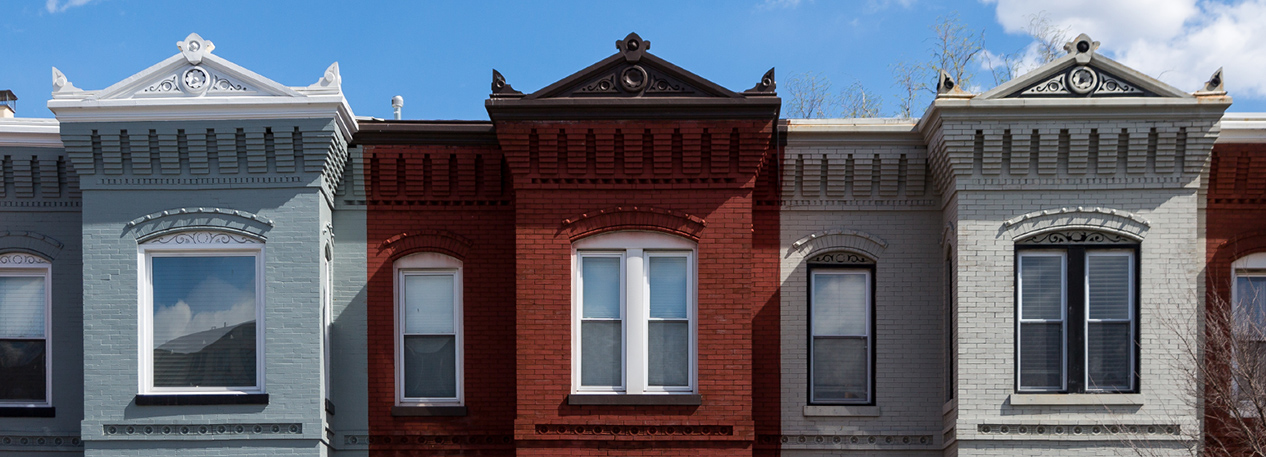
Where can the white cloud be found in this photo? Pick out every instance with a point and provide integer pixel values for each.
(780, 4)
(171, 322)
(55, 6)
(1180, 42)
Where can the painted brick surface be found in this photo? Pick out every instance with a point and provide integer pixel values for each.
(40, 214)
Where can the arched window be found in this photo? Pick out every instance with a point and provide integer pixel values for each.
(202, 312)
(634, 314)
(428, 330)
(25, 306)
(1077, 312)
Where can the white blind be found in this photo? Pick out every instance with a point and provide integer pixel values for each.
(428, 303)
(21, 307)
(1042, 287)
(601, 292)
(668, 287)
(1109, 280)
(839, 304)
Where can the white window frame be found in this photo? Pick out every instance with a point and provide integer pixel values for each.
(35, 266)
(1063, 317)
(634, 248)
(195, 244)
(1252, 265)
(429, 263)
(1129, 254)
(327, 318)
(868, 336)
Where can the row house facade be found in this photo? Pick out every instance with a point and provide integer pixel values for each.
(633, 260)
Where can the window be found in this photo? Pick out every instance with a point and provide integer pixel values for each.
(1077, 318)
(1248, 326)
(25, 369)
(634, 296)
(841, 346)
(429, 330)
(202, 308)
(327, 317)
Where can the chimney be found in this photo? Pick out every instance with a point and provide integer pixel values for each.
(8, 104)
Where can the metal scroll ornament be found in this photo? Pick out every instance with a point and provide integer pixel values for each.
(840, 258)
(1077, 237)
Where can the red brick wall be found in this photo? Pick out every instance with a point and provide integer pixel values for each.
(1235, 224)
(704, 169)
(450, 200)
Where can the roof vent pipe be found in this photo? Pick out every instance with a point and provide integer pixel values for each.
(397, 102)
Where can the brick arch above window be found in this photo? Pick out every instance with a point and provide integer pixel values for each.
(440, 241)
(633, 218)
(189, 219)
(1106, 220)
(30, 243)
(847, 240)
(1223, 256)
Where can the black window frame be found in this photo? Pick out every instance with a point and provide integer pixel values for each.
(873, 343)
(1075, 321)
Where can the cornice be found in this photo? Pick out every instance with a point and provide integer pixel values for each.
(30, 132)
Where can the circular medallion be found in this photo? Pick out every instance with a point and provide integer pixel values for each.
(196, 79)
(1082, 80)
(633, 79)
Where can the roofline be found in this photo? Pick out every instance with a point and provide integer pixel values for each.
(30, 132)
(1243, 128)
(452, 133)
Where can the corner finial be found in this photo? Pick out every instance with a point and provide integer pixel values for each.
(500, 88)
(945, 84)
(60, 83)
(633, 46)
(767, 84)
(195, 48)
(330, 79)
(1214, 84)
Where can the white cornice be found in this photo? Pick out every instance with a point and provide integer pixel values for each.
(208, 109)
(30, 132)
(1243, 128)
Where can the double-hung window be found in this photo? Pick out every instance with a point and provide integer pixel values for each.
(634, 309)
(1077, 318)
(429, 330)
(202, 308)
(1247, 330)
(24, 330)
(841, 343)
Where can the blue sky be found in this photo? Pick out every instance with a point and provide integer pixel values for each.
(439, 55)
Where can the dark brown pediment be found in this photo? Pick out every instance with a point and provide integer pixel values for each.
(633, 83)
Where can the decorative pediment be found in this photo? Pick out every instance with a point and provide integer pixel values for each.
(633, 72)
(636, 79)
(1083, 74)
(195, 72)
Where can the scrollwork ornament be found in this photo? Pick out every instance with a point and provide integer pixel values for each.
(1049, 87)
(1077, 237)
(840, 258)
(20, 259)
(190, 238)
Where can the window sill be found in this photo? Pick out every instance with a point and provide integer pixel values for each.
(1076, 400)
(28, 411)
(841, 411)
(647, 399)
(428, 411)
(200, 399)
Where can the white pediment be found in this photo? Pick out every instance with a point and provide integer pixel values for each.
(196, 84)
(1083, 73)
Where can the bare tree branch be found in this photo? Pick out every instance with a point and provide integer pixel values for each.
(808, 96)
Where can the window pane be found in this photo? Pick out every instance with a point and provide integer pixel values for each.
(22, 371)
(601, 361)
(428, 303)
(668, 287)
(22, 307)
(1250, 306)
(1108, 356)
(204, 321)
(840, 369)
(839, 304)
(601, 294)
(669, 357)
(1042, 287)
(1109, 280)
(430, 366)
(1041, 356)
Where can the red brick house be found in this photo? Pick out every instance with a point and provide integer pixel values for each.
(606, 249)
